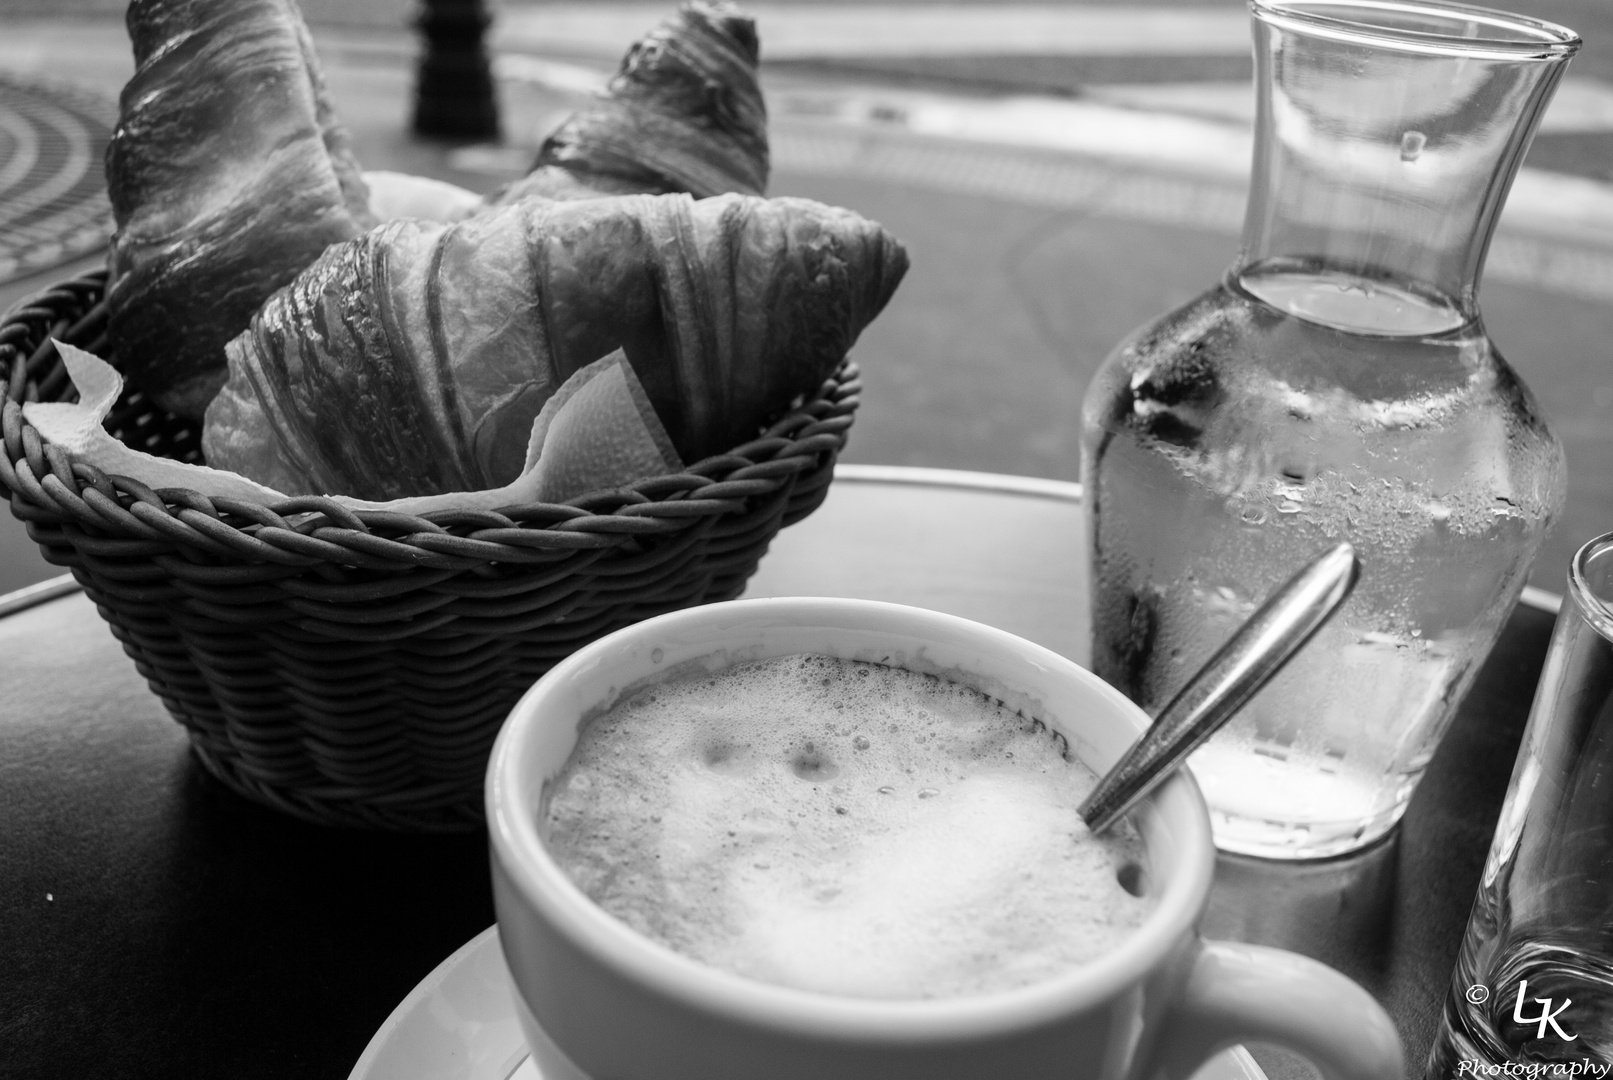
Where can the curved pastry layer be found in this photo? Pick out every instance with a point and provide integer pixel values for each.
(684, 113)
(414, 360)
(228, 175)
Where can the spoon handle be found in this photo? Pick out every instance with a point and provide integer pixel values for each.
(1258, 650)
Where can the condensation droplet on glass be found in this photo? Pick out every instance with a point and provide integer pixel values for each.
(928, 793)
(1411, 145)
(1253, 515)
(1289, 506)
(860, 742)
(886, 790)
(656, 655)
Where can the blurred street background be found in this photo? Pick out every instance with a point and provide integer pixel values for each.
(1060, 173)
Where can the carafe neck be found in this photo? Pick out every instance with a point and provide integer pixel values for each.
(1388, 134)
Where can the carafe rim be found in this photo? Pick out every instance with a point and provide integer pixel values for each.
(1515, 37)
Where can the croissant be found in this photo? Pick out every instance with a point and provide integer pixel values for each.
(413, 360)
(684, 113)
(228, 175)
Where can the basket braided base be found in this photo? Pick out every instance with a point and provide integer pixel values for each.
(354, 667)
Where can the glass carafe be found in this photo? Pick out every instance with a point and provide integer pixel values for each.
(1337, 384)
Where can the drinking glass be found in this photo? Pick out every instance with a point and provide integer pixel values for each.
(1532, 994)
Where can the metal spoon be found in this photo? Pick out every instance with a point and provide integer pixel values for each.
(1249, 659)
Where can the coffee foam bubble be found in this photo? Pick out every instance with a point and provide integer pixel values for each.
(842, 827)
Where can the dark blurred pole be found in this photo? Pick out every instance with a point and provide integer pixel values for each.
(454, 84)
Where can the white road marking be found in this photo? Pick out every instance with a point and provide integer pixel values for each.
(843, 30)
(1130, 191)
(1545, 204)
(1581, 104)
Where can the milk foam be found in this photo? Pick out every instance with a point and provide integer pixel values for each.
(843, 827)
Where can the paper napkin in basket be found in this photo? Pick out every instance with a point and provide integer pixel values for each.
(597, 431)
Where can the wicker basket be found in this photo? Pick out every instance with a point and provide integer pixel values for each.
(354, 667)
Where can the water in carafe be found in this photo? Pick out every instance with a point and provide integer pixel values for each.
(1403, 433)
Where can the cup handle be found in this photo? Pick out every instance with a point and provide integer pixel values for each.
(1238, 993)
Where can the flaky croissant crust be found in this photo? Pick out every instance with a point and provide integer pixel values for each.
(413, 360)
(684, 113)
(228, 174)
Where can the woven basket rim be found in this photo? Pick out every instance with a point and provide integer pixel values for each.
(303, 531)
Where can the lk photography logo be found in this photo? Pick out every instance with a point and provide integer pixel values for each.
(1545, 1015)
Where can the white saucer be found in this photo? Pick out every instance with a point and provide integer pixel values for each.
(459, 1024)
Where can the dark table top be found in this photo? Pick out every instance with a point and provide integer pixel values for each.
(154, 924)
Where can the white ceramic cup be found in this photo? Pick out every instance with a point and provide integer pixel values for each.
(598, 1001)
